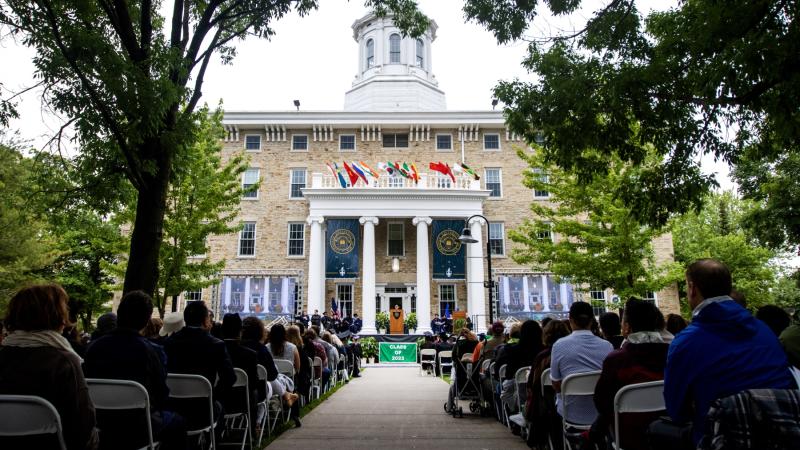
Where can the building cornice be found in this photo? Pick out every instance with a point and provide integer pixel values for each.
(394, 194)
(304, 119)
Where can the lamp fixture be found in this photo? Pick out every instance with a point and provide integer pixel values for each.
(297, 104)
(395, 264)
(494, 103)
(466, 237)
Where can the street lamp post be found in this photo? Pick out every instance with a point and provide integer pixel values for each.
(467, 238)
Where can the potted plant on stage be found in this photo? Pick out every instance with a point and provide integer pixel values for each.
(538, 307)
(382, 322)
(411, 323)
(369, 348)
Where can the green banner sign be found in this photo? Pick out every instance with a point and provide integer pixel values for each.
(391, 352)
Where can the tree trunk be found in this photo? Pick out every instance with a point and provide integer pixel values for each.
(174, 303)
(148, 230)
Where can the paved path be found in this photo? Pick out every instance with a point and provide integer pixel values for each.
(394, 408)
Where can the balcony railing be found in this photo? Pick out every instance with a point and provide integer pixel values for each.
(426, 181)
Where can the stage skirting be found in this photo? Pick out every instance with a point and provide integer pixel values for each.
(393, 337)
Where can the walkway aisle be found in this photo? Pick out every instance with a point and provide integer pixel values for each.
(394, 408)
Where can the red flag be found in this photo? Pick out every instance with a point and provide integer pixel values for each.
(449, 172)
(351, 174)
(444, 169)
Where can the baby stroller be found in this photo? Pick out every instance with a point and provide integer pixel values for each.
(465, 384)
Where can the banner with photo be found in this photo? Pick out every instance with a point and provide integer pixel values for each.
(449, 254)
(341, 248)
(533, 293)
(258, 295)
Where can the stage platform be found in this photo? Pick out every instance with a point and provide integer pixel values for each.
(393, 337)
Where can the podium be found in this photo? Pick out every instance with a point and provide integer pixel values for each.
(396, 321)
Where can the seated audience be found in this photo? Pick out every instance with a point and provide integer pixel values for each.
(105, 324)
(192, 350)
(36, 359)
(253, 338)
(579, 352)
(428, 344)
(540, 409)
(611, 329)
(281, 348)
(124, 354)
(774, 317)
(319, 352)
(640, 360)
(485, 349)
(462, 352)
(517, 356)
(790, 340)
(723, 351)
(242, 358)
(511, 339)
(443, 344)
(676, 324)
(302, 378)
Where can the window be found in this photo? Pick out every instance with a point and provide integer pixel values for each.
(493, 182)
(540, 193)
(596, 293)
(347, 142)
(394, 242)
(247, 239)
(395, 140)
(444, 142)
(394, 49)
(249, 178)
(252, 142)
(300, 142)
(496, 239)
(545, 232)
(297, 183)
(297, 232)
(396, 181)
(447, 299)
(370, 53)
(192, 296)
(420, 52)
(491, 141)
(650, 296)
(344, 298)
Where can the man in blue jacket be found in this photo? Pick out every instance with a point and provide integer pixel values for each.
(725, 350)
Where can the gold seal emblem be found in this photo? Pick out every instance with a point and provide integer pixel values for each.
(342, 241)
(447, 242)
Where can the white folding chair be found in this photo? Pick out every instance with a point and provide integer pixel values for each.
(263, 421)
(234, 419)
(427, 356)
(189, 386)
(521, 385)
(485, 365)
(546, 381)
(285, 367)
(448, 355)
(637, 398)
(501, 375)
(316, 381)
(28, 415)
(577, 384)
(120, 395)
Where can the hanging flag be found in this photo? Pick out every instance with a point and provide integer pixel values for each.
(415, 172)
(333, 172)
(447, 310)
(443, 168)
(369, 170)
(457, 169)
(341, 255)
(334, 306)
(359, 172)
(339, 176)
(410, 172)
(448, 252)
(400, 169)
(468, 170)
(350, 173)
(387, 167)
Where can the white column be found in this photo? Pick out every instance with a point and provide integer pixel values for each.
(246, 294)
(368, 277)
(228, 293)
(316, 265)
(525, 293)
(323, 277)
(545, 293)
(506, 292)
(285, 296)
(564, 299)
(476, 304)
(423, 275)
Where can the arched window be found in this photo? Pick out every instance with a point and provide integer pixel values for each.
(370, 53)
(420, 53)
(394, 49)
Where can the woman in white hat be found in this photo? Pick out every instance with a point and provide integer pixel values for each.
(172, 322)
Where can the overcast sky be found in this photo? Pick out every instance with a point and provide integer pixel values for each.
(314, 59)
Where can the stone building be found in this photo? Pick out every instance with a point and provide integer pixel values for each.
(305, 220)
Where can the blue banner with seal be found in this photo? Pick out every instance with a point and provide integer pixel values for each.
(341, 248)
(449, 254)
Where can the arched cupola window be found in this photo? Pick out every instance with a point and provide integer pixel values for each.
(420, 53)
(370, 53)
(394, 49)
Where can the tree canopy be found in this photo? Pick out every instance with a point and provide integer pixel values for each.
(598, 242)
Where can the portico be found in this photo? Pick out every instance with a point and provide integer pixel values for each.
(434, 197)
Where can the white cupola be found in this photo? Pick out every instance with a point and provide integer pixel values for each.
(394, 72)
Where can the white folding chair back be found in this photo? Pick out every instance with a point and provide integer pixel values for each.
(485, 365)
(577, 384)
(520, 384)
(637, 398)
(28, 415)
(188, 386)
(546, 381)
(121, 395)
(502, 373)
(445, 354)
(285, 367)
(316, 381)
(264, 422)
(231, 418)
(427, 355)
